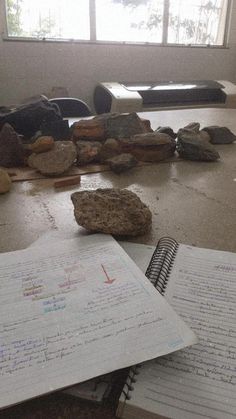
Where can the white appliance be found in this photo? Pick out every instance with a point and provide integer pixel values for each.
(144, 96)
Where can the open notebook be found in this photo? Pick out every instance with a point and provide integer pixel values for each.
(198, 382)
(78, 310)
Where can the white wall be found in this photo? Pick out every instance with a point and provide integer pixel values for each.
(30, 68)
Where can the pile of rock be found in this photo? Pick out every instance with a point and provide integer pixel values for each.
(118, 140)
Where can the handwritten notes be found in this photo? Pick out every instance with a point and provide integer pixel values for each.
(197, 382)
(76, 310)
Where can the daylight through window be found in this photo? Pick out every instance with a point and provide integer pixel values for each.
(183, 22)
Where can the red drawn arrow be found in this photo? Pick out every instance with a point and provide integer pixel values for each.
(108, 280)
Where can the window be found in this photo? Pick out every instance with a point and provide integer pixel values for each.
(178, 22)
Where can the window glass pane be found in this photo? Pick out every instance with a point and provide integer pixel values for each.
(67, 19)
(129, 20)
(197, 22)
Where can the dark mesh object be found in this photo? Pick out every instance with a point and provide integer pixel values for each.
(26, 119)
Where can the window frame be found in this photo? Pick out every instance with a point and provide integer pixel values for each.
(93, 40)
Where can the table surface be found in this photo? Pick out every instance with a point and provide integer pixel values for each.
(194, 202)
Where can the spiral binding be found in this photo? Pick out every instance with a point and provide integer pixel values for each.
(131, 378)
(162, 260)
(158, 272)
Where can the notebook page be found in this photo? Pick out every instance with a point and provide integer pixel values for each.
(79, 302)
(197, 382)
(98, 388)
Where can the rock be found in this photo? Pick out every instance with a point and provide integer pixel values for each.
(220, 135)
(166, 130)
(112, 211)
(26, 119)
(42, 144)
(150, 147)
(11, 148)
(192, 147)
(124, 125)
(87, 151)
(122, 163)
(88, 129)
(5, 181)
(110, 148)
(56, 161)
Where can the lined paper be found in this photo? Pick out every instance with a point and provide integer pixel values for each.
(197, 382)
(80, 303)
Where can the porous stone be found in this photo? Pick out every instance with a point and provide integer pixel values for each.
(42, 144)
(11, 148)
(87, 151)
(5, 181)
(192, 147)
(56, 161)
(112, 211)
(220, 135)
(150, 147)
(110, 148)
(122, 162)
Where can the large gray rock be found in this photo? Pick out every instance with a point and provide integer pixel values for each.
(124, 125)
(112, 211)
(192, 147)
(11, 148)
(56, 161)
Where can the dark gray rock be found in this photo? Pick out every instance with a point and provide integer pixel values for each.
(112, 211)
(122, 163)
(167, 130)
(220, 135)
(11, 149)
(193, 147)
